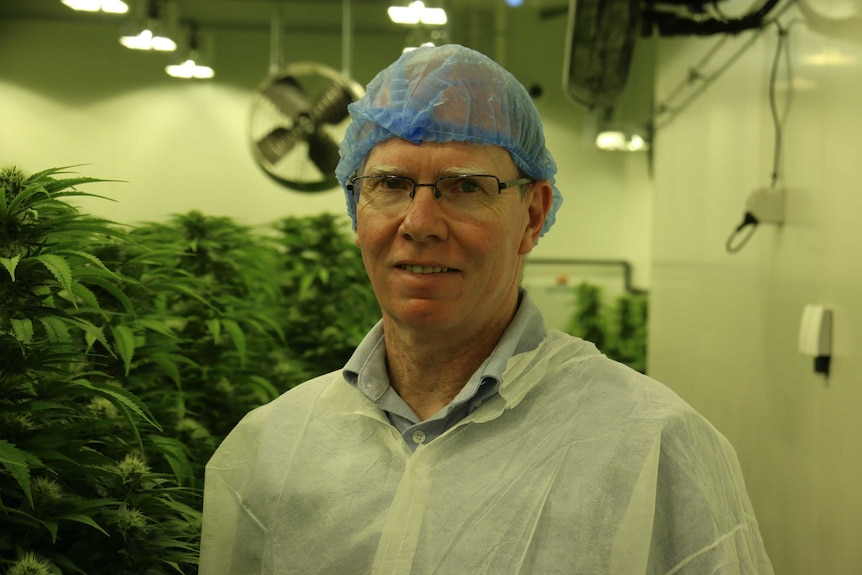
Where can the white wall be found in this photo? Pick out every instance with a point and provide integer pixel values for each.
(723, 329)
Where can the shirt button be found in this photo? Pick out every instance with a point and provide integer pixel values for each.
(418, 436)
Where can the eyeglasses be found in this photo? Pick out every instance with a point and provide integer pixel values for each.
(464, 193)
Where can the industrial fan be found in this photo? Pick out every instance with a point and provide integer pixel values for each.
(298, 119)
(601, 38)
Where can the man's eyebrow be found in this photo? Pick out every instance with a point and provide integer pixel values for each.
(385, 170)
(462, 171)
(391, 170)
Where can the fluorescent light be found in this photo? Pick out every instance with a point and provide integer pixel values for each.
(145, 40)
(619, 141)
(163, 44)
(149, 32)
(189, 69)
(114, 6)
(108, 6)
(188, 61)
(416, 13)
(84, 5)
(636, 143)
(611, 140)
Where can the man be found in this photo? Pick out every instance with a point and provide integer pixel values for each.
(462, 437)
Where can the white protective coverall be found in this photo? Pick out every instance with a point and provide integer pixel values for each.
(578, 466)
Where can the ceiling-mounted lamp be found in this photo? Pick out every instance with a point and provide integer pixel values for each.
(417, 13)
(192, 63)
(149, 33)
(428, 24)
(107, 6)
(623, 139)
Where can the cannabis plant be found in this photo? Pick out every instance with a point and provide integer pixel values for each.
(628, 331)
(129, 353)
(588, 319)
(207, 303)
(619, 331)
(328, 303)
(77, 493)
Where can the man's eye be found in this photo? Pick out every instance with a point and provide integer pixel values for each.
(395, 184)
(470, 185)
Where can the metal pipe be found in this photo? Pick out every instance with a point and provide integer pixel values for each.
(276, 54)
(346, 37)
(626, 267)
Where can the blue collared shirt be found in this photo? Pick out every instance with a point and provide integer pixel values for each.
(366, 369)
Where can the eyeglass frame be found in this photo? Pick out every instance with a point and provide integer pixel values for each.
(350, 186)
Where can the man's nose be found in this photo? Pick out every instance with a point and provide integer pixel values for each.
(425, 216)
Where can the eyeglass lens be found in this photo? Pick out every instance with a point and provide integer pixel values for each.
(458, 192)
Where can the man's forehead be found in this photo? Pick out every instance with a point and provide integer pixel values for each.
(451, 151)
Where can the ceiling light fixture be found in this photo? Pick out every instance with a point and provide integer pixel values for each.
(417, 13)
(151, 35)
(190, 65)
(107, 6)
(190, 69)
(622, 140)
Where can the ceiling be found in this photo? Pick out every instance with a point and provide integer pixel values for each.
(366, 15)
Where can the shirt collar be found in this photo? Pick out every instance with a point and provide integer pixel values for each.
(366, 368)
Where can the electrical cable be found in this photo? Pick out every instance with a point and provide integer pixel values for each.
(750, 220)
(773, 108)
(783, 34)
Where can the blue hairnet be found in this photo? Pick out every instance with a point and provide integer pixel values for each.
(442, 94)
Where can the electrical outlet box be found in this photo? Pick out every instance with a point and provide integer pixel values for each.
(767, 205)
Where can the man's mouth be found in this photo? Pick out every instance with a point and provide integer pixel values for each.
(424, 269)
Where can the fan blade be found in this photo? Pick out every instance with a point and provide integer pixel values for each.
(323, 151)
(277, 143)
(287, 95)
(332, 105)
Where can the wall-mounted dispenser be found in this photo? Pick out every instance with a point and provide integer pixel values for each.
(815, 336)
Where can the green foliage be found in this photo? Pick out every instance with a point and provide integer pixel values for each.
(588, 320)
(627, 336)
(197, 347)
(68, 428)
(329, 305)
(619, 331)
(128, 355)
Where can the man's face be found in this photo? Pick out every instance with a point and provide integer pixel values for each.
(440, 269)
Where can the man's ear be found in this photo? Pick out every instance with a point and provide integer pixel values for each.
(540, 199)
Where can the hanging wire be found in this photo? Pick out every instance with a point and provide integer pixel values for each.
(732, 245)
(750, 222)
(777, 120)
